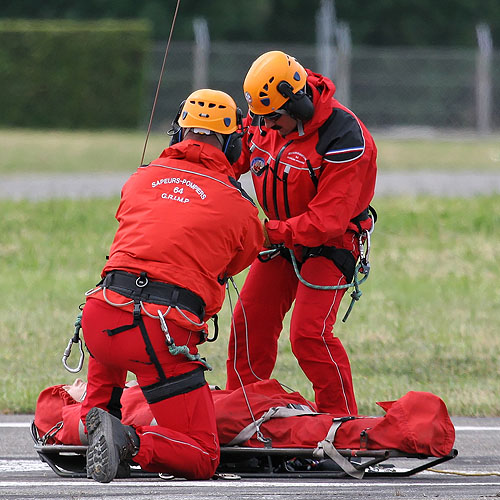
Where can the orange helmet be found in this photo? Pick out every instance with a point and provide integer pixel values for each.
(264, 76)
(210, 109)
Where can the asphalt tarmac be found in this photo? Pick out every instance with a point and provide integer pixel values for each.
(473, 475)
(38, 187)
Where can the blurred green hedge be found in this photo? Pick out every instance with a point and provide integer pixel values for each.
(70, 74)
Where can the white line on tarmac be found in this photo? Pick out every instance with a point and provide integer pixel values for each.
(457, 427)
(234, 484)
(15, 424)
(473, 428)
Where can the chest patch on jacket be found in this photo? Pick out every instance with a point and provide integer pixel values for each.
(257, 165)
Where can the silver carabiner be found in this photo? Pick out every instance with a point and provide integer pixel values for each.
(163, 325)
(267, 255)
(67, 353)
(364, 238)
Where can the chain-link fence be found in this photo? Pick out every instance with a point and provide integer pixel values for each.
(388, 87)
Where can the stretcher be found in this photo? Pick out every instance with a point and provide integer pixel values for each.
(68, 461)
(283, 435)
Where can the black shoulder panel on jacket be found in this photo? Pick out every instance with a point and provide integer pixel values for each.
(239, 187)
(340, 138)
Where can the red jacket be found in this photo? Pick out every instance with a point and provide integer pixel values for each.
(183, 220)
(336, 152)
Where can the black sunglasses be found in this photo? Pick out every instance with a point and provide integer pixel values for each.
(275, 115)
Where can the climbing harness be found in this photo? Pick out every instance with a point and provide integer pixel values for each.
(141, 290)
(362, 268)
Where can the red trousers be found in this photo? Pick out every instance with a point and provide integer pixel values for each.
(268, 293)
(185, 442)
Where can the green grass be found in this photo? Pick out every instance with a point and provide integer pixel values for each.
(66, 151)
(47, 151)
(427, 319)
(447, 154)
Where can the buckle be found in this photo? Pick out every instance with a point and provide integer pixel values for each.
(142, 280)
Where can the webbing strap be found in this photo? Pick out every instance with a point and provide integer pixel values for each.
(174, 386)
(138, 321)
(154, 292)
(326, 447)
(275, 412)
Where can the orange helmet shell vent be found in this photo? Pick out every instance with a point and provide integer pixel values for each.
(211, 110)
(261, 83)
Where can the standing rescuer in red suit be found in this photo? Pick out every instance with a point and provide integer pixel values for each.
(185, 226)
(313, 165)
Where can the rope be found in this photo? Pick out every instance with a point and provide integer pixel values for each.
(159, 81)
(460, 473)
(174, 350)
(355, 295)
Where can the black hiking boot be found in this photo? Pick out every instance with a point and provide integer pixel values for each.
(110, 442)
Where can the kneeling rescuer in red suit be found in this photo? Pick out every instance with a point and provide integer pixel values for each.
(185, 226)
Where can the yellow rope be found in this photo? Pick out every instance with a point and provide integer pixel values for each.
(459, 473)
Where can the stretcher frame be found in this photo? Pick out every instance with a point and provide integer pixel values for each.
(69, 461)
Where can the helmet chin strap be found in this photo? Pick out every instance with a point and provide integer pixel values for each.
(300, 128)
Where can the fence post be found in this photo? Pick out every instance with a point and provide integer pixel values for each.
(325, 52)
(344, 49)
(483, 79)
(201, 53)
(333, 49)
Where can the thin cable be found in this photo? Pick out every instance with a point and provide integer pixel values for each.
(234, 365)
(159, 81)
(246, 339)
(246, 330)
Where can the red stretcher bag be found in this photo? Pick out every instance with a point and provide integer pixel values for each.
(417, 423)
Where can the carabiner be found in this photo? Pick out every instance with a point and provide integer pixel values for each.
(67, 352)
(267, 255)
(364, 237)
(163, 325)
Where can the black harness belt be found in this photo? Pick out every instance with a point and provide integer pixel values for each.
(173, 386)
(341, 257)
(141, 288)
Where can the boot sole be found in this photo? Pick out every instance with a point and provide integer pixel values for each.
(102, 459)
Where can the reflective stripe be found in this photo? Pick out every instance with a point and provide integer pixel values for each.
(178, 442)
(328, 349)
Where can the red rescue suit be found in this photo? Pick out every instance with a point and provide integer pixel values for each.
(314, 188)
(186, 224)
